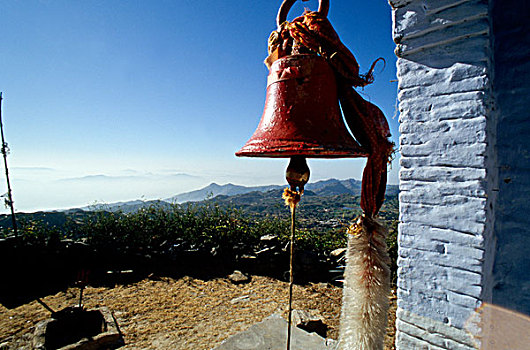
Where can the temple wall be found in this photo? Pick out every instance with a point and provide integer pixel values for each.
(448, 170)
(464, 232)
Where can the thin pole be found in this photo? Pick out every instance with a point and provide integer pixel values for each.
(4, 153)
(45, 305)
(291, 280)
(81, 296)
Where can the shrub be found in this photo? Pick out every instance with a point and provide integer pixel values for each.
(210, 229)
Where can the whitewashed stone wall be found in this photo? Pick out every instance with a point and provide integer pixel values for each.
(448, 169)
(464, 232)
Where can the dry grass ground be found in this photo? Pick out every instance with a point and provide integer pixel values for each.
(187, 313)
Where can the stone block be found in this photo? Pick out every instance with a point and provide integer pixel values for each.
(310, 321)
(271, 333)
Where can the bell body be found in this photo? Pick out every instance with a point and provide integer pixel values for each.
(302, 115)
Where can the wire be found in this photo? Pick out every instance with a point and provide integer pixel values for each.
(291, 279)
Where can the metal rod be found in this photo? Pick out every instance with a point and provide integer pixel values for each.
(291, 280)
(81, 296)
(323, 9)
(4, 151)
(45, 305)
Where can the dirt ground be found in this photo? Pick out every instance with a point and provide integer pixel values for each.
(187, 313)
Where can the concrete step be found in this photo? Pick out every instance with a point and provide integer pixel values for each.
(271, 334)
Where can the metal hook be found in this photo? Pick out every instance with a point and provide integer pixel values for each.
(323, 9)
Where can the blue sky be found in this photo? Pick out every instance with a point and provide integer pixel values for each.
(120, 100)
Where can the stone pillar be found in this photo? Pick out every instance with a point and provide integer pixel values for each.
(464, 232)
(448, 170)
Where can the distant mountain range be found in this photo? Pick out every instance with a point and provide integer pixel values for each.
(320, 188)
(252, 199)
(214, 190)
(126, 207)
(328, 187)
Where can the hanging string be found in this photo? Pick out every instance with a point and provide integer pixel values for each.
(291, 200)
(293, 210)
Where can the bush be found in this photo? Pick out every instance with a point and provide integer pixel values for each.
(170, 230)
(156, 228)
(34, 233)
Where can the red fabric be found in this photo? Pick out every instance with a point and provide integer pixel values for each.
(313, 33)
(369, 126)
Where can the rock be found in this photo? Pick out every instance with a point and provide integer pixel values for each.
(338, 253)
(307, 259)
(39, 337)
(240, 299)
(154, 277)
(262, 251)
(99, 324)
(248, 257)
(310, 321)
(321, 285)
(268, 238)
(238, 277)
(271, 333)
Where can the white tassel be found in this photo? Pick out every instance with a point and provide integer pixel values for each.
(366, 287)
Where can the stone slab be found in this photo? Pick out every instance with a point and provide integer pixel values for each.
(271, 334)
(110, 338)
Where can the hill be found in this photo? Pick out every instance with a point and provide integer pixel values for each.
(126, 207)
(213, 190)
(320, 188)
(327, 202)
(314, 210)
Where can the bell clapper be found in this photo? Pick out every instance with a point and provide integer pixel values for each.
(297, 175)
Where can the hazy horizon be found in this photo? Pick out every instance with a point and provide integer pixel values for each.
(52, 189)
(109, 101)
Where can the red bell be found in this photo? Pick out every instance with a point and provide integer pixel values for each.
(302, 115)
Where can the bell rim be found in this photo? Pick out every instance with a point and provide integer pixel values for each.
(287, 151)
(294, 154)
